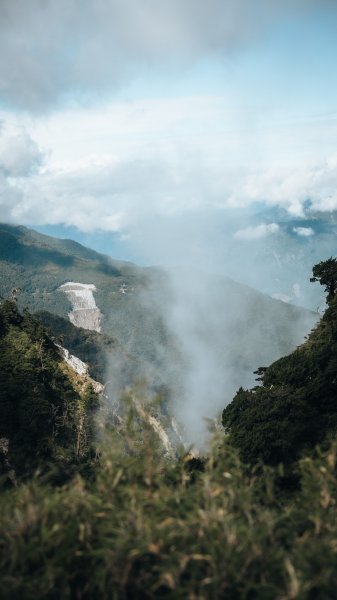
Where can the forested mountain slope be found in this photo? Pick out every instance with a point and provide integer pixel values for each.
(295, 407)
(136, 305)
(97, 350)
(148, 524)
(46, 408)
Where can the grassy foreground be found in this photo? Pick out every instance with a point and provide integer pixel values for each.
(151, 528)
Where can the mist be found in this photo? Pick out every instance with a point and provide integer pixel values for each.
(212, 330)
(223, 335)
(217, 181)
(95, 47)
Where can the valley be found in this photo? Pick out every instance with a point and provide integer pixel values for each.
(184, 333)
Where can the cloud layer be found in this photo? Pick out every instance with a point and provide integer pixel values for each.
(20, 155)
(122, 195)
(257, 232)
(59, 47)
(178, 177)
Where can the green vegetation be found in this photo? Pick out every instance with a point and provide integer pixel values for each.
(46, 412)
(93, 348)
(150, 528)
(326, 273)
(136, 320)
(39, 265)
(124, 520)
(295, 408)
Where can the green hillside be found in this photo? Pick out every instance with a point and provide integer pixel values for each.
(295, 407)
(145, 526)
(46, 409)
(136, 321)
(97, 350)
(39, 265)
(136, 523)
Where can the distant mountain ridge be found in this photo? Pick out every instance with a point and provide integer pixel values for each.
(134, 303)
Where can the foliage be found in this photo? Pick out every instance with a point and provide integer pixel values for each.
(149, 528)
(326, 273)
(40, 264)
(136, 320)
(95, 349)
(40, 406)
(295, 408)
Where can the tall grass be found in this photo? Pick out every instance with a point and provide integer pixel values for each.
(149, 527)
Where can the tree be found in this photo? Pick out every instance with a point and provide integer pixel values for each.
(326, 273)
(295, 407)
(44, 418)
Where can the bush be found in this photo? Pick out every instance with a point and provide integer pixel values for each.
(149, 528)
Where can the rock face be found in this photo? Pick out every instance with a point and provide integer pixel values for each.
(85, 313)
(80, 367)
(73, 361)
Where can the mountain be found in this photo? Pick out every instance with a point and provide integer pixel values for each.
(143, 525)
(39, 265)
(47, 408)
(295, 407)
(128, 520)
(148, 323)
(97, 350)
(281, 264)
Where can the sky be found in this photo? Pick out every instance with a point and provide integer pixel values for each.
(172, 132)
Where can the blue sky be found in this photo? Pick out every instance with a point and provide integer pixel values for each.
(127, 125)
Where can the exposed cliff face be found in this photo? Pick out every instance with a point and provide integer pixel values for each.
(85, 313)
(73, 361)
(80, 367)
(156, 426)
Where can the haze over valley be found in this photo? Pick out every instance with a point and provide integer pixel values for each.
(168, 299)
(197, 335)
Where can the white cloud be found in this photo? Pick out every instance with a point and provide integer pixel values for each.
(304, 231)
(282, 297)
(19, 153)
(10, 198)
(289, 187)
(70, 46)
(20, 157)
(119, 192)
(296, 290)
(114, 168)
(257, 232)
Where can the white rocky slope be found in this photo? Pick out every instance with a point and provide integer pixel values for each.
(79, 367)
(156, 426)
(84, 312)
